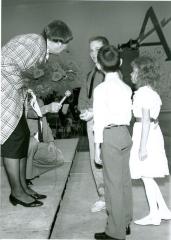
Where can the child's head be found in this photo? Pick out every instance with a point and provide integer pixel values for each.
(145, 72)
(95, 44)
(109, 59)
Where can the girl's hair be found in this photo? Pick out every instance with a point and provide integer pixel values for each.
(109, 58)
(148, 71)
(57, 31)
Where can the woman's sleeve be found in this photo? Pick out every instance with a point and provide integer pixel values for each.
(11, 77)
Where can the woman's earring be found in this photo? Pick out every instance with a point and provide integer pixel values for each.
(121, 61)
(47, 54)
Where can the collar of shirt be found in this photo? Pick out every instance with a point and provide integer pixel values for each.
(114, 77)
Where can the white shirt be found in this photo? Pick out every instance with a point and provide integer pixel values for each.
(112, 104)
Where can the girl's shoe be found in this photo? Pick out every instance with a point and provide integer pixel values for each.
(166, 215)
(16, 201)
(148, 220)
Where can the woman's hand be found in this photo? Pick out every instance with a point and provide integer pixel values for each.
(142, 153)
(55, 107)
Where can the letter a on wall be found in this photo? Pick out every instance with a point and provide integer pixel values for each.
(151, 15)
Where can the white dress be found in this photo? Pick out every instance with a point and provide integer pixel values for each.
(155, 165)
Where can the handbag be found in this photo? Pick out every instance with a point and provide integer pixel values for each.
(45, 157)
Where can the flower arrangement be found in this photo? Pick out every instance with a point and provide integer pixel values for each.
(59, 74)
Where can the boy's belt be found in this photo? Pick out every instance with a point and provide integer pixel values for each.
(114, 125)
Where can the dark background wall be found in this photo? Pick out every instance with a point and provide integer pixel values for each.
(117, 20)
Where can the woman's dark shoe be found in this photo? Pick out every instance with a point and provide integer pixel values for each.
(128, 230)
(29, 182)
(38, 196)
(16, 201)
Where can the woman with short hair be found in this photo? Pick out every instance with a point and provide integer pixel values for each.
(19, 55)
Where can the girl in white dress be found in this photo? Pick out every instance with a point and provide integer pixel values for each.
(148, 159)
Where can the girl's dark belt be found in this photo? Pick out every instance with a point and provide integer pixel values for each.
(151, 120)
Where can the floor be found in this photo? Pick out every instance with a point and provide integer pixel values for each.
(18, 222)
(75, 221)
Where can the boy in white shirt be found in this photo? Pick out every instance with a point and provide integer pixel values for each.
(112, 114)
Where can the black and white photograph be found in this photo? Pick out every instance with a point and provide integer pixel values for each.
(85, 120)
